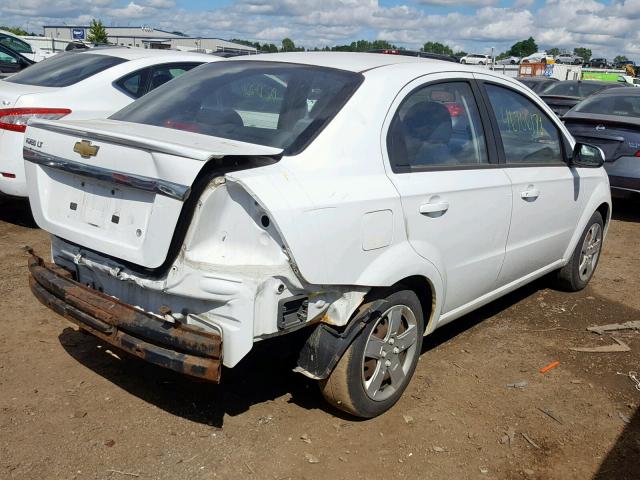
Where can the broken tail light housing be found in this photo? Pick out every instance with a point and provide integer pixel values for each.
(15, 119)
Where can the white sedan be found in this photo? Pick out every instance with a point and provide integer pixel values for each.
(366, 199)
(78, 85)
(476, 59)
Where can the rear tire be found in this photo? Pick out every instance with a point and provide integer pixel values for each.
(575, 275)
(377, 367)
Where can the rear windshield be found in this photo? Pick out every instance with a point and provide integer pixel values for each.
(64, 69)
(281, 105)
(620, 105)
(573, 89)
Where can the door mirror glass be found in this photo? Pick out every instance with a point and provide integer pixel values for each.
(585, 155)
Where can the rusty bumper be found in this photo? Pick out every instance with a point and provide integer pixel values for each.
(183, 348)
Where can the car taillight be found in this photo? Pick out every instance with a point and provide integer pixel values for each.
(455, 109)
(637, 154)
(15, 119)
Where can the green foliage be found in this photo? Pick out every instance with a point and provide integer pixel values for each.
(15, 30)
(554, 51)
(97, 32)
(523, 48)
(620, 58)
(437, 47)
(363, 46)
(460, 53)
(288, 45)
(585, 53)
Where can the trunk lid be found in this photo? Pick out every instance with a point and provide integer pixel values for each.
(616, 139)
(119, 188)
(11, 92)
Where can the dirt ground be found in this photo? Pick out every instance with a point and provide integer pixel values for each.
(72, 409)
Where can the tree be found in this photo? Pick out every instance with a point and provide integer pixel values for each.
(460, 53)
(288, 45)
(620, 58)
(15, 30)
(437, 47)
(523, 48)
(97, 32)
(554, 51)
(585, 53)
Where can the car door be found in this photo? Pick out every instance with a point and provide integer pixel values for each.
(546, 192)
(456, 202)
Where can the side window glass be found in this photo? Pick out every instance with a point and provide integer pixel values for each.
(133, 83)
(437, 125)
(528, 135)
(164, 73)
(6, 58)
(15, 44)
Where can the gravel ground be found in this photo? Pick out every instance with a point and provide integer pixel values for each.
(70, 408)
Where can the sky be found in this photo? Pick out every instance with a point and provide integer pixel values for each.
(608, 28)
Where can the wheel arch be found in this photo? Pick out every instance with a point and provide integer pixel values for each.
(600, 201)
(424, 289)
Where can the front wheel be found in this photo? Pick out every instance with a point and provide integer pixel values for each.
(377, 367)
(463, 61)
(575, 275)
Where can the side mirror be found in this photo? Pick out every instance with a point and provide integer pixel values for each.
(587, 156)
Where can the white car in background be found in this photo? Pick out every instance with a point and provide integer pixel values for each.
(538, 57)
(476, 59)
(508, 61)
(389, 196)
(23, 47)
(78, 85)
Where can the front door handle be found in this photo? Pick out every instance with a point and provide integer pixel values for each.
(530, 194)
(434, 208)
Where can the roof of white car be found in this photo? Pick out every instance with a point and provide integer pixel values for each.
(137, 53)
(355, 62)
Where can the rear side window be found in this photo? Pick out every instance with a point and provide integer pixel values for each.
(161, 74)
(15, 44)
(528, 135)
(65, 69)
(437, 126)
(141, 82)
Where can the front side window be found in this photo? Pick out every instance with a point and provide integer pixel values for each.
(281, 105)
(528, 135)
(6, 58)
(15, 44)
(65, 69)
(437, 126)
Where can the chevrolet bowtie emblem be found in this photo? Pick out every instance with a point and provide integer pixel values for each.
(86, 149)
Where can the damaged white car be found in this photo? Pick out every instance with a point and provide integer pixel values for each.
(366, 198)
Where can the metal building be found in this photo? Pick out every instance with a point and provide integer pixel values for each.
(147, 37)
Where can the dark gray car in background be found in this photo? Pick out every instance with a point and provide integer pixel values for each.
(562, 96)
(611, 120)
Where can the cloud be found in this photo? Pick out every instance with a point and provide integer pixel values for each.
(608, 29)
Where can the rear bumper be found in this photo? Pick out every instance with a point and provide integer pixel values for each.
(182, 348)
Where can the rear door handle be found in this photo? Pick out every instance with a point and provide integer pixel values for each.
(530, 193)
(435, 207)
